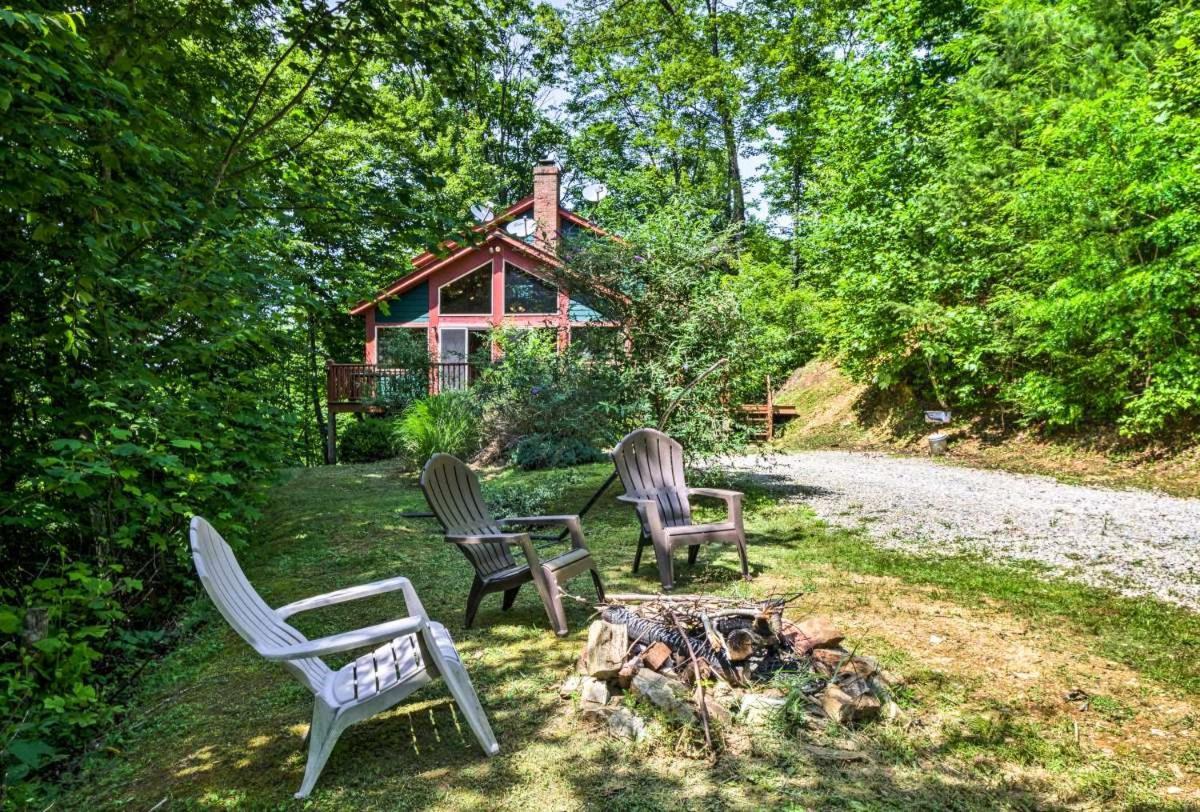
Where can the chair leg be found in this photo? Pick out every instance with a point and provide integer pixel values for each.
(693, 552)
(599, 584)
(322, 736)
(637, 557)
(468, 702)
(510, 597)
(666, 566)
(547, 588)
(473, 601)
(741, 548)
(554, 605)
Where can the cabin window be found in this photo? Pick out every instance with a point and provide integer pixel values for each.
(463, 351)
(402, 347)
(524, 293)
(468, 295)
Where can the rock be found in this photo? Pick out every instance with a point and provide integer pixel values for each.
(663, 692)
(827, 660)
(716, 711)
(853, 685)
(593, 699)
(625, 724)
(814, 633)
(756, 710)
(571, 686)
(625, 675)
(656, 655)
(593, 694)
(606, 647)
(845, 709)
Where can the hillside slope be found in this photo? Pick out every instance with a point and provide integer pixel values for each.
(835, 412)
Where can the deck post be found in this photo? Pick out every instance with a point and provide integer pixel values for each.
(331, 438)
(770, 411)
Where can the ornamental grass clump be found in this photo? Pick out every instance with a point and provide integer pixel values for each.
(446, 423)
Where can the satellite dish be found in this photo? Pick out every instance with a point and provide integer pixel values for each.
(483, 212)
(521, 228)
(595, 192)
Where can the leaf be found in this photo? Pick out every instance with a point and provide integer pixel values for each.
(33, 753)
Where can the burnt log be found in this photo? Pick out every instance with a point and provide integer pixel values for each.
(650, 631)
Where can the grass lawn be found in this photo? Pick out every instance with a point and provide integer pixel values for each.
(985, 654)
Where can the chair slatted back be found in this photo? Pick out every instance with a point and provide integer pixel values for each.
(650, 465)
(454, 496)
(241, 605)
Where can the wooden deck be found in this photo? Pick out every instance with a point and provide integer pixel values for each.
(370, 387)
(376, 388)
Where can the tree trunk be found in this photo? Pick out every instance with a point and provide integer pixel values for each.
(315, 386)
(737, 212)
(737, 194)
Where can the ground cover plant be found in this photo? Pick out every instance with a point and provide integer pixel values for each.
(1016, 692)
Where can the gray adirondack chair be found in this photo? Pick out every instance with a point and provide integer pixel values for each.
(453, 493)
(650, 465)
(406, 653)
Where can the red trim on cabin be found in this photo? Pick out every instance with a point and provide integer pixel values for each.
(502, 217)
(428, 262)
(370, 354)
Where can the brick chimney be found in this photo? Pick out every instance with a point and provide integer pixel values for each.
(545, 204)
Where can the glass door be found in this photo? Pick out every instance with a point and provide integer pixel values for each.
(452, 352)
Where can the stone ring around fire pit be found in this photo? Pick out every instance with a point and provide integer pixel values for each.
(703, 658)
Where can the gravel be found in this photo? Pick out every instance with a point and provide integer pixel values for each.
(1136, 542)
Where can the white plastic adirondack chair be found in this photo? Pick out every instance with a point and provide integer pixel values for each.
(408, 653)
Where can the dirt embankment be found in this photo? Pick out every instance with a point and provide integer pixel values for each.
(835, 412)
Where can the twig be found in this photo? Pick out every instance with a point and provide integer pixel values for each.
(699, 682)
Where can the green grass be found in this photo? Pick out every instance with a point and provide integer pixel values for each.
(214, 726)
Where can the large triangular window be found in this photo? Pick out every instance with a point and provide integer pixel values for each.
(525, 293)
(469, 295)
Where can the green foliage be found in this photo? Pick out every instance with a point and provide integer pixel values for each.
(446, 423)
(192, 198)
(1003, 208)
(525, 497)
(546, 408)
(367, 440)
(551, 451)
(665, 284)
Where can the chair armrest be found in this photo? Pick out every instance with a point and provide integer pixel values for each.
(346, 641)
(489, 538)
(715, 493)
(649, 510)
(732, 500)
(571, 522)
(540, 520)
(355, 593)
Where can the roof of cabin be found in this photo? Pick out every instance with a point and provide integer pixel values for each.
(428, 262)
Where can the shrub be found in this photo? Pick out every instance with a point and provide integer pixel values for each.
(551, 451)
(537, 498)
(547, 409)
(446, 423)
(367, 440)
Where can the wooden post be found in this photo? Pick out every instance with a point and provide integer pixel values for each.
(770, 411)
(331, 439)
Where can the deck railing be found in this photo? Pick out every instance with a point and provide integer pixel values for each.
(376, 384)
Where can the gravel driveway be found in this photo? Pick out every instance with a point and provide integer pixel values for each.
(1137, 542)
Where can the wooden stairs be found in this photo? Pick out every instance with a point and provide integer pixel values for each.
(763, 418)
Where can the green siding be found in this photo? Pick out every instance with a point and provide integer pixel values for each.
(410, 306)
(579, 311)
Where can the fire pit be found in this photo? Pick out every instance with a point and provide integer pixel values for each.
(699, 658)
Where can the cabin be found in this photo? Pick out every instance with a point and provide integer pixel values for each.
(447, 305)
